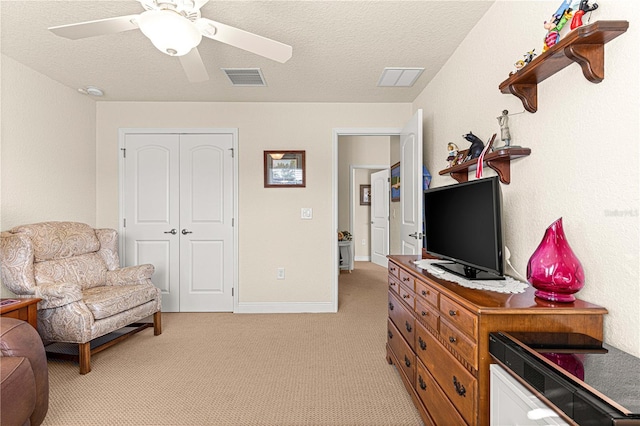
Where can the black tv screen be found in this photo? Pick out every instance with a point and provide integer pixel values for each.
(463, 224)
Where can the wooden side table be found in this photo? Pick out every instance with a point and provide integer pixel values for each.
(22, 309)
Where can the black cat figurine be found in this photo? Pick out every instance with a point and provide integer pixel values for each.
(476, 145)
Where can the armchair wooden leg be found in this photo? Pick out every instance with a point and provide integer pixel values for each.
(157, 323)
(84, 353)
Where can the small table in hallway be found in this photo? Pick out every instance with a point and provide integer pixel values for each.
(345, 255)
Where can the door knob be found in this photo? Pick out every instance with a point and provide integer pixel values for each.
(172, 232)
(185, 232)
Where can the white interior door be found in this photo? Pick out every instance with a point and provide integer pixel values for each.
(206, 229)
(411, 185)
(152, 210)
(380, 217)
(178, 215)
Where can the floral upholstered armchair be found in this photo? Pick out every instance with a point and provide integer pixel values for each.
(76, 272)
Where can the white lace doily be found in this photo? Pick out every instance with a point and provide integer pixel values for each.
(508, 285)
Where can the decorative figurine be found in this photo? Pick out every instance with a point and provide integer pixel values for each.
(505, 134)
(476, 145)
(556, 23)
(519, 65)
(582, 9)
(528, 57)
(453, 153)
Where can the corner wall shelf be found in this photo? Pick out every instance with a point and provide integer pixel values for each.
(499, 160)
(584, 45)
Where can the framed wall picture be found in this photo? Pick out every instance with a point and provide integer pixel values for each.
(395, 182)
(365, 195)
(284, 169)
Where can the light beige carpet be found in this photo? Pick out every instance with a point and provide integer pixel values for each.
(241, 369)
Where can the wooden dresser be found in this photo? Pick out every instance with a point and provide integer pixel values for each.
(438, 337)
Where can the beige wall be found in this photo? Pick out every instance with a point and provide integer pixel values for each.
(361, 152)
(48, 168)
(48, 161)
(584, 164)
(271, 233)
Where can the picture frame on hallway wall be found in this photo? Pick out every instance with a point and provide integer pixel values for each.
(284, 169)
(365, 195)
(395, 182)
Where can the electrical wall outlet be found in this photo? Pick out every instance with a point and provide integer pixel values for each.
(280, 273)
(306, 213)
(364, 242)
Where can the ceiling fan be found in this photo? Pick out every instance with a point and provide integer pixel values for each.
(176, 28)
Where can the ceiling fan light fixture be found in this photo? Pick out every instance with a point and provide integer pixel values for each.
(170, 32)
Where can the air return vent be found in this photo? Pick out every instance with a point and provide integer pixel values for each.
(245, 76)
(399, 77)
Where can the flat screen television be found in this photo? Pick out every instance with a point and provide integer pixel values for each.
(463, 224)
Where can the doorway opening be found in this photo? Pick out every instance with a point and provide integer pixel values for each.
(344, 190)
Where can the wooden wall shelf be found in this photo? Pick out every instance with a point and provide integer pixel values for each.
(499, 160)
(584, 45)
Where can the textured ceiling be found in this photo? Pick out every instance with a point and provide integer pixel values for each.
(339, 48)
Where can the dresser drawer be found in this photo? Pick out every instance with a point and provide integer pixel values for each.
(422, 347)
(407, 296)
(427, 293)
(394, 270)
(394, 283)
(465, 347)
(456, 382)
(402, 318)
(462, 319)
(404, 355)
(440, 409)
(427, 314)
(407, 280)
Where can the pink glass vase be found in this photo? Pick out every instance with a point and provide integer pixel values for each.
(553, 269)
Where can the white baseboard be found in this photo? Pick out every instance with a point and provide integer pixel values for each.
(284, 307)
(362, 259)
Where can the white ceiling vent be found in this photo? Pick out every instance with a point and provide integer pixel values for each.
(245, 76)
(399, 77)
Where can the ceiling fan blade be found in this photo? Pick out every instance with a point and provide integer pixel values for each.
(96, 28)
(245, 40)
(193, 66)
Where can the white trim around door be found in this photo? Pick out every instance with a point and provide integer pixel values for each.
(121, 187)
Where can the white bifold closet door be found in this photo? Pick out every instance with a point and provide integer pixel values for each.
(179, 216)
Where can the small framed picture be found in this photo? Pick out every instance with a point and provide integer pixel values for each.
(284, 169)
(395, 182)
(365, 195)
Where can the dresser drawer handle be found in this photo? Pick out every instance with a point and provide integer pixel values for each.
(408, 326)
(422, 343)
(424, 293)
(392, 269)
(390, 334)
(392, 283)
(407, 362)
(423, 385)
(406, 279)
(390, 306)
(406, 296)
(452, 312)
(452, 339)
(459, 387)
(424, 313)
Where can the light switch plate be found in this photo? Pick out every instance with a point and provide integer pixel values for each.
(306, 213)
